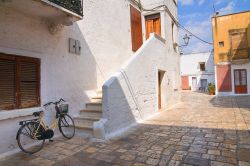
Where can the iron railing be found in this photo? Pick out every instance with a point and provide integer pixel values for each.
(75, 6)
(240, 54)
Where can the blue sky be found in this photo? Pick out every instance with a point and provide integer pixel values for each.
(196, 15)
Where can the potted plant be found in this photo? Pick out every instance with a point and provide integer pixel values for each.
(211, 89)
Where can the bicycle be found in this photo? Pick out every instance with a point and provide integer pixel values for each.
(33, 133)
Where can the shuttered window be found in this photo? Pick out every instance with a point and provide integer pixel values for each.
(7, 83)
(19, 82)
(136, 28)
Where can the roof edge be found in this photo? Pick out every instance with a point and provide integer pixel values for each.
(232, 14)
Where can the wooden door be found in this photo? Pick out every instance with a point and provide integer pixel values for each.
(194, 82)
(240, 81)
(136, 28)
(224, 80)
(204, 83)
(153, 24)
(160, 77)
(184, 83)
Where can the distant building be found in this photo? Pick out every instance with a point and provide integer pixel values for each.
(197, 71)
(231, 35)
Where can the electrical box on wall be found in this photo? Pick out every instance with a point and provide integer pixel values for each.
(74, 46)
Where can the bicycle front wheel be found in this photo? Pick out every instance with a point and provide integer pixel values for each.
(66, 126)
(28, 137)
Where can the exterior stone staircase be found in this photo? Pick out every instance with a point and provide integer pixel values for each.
(92, 113)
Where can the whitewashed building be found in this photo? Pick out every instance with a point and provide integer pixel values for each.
(113, 62)
(197, 71)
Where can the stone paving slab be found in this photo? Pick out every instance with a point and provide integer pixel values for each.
(202, 130)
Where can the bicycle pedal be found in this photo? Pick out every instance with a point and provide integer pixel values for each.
(51, 140)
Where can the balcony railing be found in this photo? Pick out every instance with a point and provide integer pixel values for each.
(235, 56)
(239, 54)
(75, 6)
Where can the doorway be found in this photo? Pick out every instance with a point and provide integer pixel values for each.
(160, 80)
(240, 81)
(204, 83)
(194, 82)
(184, 83)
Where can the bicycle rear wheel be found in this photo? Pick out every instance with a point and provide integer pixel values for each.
(27, 140)
(66, 126)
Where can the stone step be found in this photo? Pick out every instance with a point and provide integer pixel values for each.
(84, 133)
(83, 125)
(96, 100)
(94, 106)
(84, 122)
(99, 92)
(81, 130)
(89, 118)
(92, 110)
(91, 114)
(97, 96)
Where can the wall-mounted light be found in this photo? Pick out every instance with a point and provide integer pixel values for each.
(186, 39)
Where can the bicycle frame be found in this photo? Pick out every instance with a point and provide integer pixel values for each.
(52, 126)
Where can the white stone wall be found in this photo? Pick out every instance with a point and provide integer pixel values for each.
(131, 94)
(63, 75)
(190, 67)
(105, 38)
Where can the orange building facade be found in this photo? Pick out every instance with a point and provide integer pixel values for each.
(231, 38)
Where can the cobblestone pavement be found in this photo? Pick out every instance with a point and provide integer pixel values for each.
(202, 130)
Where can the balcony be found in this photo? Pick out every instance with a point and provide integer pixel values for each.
(237, 56)
(240, 56)
(63, 12)
(74, 6)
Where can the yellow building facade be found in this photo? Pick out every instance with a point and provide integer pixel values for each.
(231, 38)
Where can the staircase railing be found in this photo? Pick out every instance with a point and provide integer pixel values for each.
(131, 92)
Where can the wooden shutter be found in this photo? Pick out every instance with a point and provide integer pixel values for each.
(157, 26)
(136, 28)
(7, 83)
(153, 24)
(29, 82)
(149, 27)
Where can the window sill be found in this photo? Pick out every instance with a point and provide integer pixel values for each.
(11, 114)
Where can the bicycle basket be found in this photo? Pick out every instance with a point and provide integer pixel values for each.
(64, 108)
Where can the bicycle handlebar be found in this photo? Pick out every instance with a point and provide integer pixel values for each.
(55, 103)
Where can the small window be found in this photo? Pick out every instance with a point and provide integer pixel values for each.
(19, 82)
(221, 43)
(202, 66)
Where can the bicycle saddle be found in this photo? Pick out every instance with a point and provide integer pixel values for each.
(37, 113)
